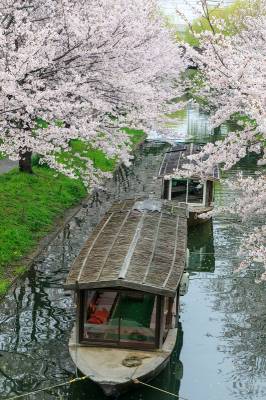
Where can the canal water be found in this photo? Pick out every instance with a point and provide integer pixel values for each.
(221, 348)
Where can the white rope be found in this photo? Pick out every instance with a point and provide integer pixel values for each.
(136, 381)
(47, 388)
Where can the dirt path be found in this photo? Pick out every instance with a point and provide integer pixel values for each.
(7, 165)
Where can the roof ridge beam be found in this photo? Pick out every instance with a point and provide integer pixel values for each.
(132, 247)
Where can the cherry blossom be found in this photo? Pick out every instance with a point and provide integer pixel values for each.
(94, 66)
(233, 71)
(253, 249)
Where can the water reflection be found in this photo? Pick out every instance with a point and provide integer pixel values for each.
(201, 248)
(35, 320)
(224, 315)
(192, 124)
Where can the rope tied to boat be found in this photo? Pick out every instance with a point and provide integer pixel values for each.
(74, 380)
(137, 382)
(133, 361)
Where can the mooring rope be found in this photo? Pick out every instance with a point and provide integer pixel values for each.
(47, 388)
(136, 381)
(158, 389)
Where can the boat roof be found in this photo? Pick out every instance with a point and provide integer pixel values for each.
(176, 157)
(139, 244)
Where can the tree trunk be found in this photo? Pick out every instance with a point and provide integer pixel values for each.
(25, 162)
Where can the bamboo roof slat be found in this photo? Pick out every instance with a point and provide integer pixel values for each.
(138, 244)
(176, 157)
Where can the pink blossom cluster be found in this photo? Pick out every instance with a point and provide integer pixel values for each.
(251, 202)
(253, 249)
(224, 153)
(96, 66)
(233, 70)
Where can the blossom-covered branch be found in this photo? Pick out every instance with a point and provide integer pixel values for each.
(254, 249)
(233, 71)
(93, 66)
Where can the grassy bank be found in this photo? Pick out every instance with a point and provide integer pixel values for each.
(136, 136)
(30, 205)
(97, 156)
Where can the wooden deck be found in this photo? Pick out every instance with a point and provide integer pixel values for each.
(108, 366)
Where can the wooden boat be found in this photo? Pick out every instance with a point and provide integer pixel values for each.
(126, 280)
(198, 195)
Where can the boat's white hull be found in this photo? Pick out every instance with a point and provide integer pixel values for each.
(195, 214)
(114, 389)
(105, 367)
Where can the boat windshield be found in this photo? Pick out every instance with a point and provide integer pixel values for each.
(125, 317)
(179, 190)
(195, 191)
(186, 191)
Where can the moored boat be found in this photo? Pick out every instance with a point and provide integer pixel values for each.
(127, 279)
(198, 195)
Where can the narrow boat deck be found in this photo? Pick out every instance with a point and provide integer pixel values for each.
(106, 366)
(199, 209)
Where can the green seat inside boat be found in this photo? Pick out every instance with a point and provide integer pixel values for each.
(134, 314)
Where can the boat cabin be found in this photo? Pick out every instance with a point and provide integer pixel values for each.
(191, 191)
(127, 275)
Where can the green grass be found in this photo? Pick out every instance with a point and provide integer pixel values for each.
(30, 205)
(4, 286)
(136, 136)
(20, 270)
(100, 161)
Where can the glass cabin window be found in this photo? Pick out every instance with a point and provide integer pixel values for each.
(123, 317)
(195, 191)
(179, 190)
(187, 191)
(98, 323)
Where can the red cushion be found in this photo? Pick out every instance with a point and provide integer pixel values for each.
(98, 317)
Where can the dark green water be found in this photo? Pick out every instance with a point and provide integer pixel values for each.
(221, 349)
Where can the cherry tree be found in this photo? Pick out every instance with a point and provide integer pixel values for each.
(233, 70)
(88, 69)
